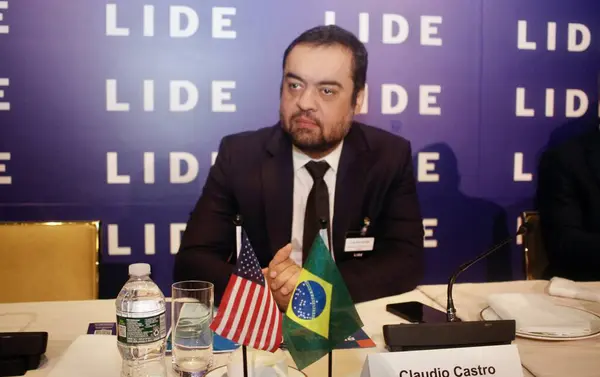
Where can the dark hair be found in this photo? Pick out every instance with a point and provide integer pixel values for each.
(334, 35)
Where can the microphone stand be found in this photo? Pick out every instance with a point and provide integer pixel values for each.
(450, 309)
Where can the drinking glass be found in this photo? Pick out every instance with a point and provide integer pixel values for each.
(192, 338)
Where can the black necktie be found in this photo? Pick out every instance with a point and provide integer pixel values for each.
(317, 205)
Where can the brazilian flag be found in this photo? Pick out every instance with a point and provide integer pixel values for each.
(321, 314)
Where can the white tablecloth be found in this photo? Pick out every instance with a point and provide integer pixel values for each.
(65, 321)
(579, 358)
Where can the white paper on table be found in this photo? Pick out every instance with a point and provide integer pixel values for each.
(90, 356)
(94, 356)
(567, 288)
(535, 314)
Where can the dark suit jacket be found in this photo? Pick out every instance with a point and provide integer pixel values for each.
(253, 176)
(568, 199)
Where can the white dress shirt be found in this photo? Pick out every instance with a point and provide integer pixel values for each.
(303, 183)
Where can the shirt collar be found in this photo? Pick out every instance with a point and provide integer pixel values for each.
(333, 158)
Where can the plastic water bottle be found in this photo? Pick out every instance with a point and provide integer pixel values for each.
(141, 325)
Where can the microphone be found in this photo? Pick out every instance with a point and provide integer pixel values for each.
(450, 309)
(453, 333)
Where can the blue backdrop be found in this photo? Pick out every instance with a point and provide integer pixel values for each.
(113, 110)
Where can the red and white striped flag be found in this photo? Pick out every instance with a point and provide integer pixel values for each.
(248, 314)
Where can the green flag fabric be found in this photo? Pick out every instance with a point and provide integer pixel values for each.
(321, 313)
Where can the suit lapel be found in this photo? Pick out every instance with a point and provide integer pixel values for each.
(278, 190)
(593, 156)
(350, 185)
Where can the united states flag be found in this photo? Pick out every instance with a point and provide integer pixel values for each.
(248, 314)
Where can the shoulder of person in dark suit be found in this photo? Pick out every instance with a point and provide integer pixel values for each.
(384, 144)
(208, 243)
(568, 201)
(245, 143)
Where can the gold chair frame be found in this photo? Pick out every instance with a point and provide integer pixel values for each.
(78, 281)
(534, 253)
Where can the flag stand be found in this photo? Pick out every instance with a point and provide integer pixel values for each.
(247, 274)
(245, 361)
(238, 230)
(324, 227)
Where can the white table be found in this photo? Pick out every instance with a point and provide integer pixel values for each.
(579, 358)
(65, 321)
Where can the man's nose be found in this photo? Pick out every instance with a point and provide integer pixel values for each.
(307, 101)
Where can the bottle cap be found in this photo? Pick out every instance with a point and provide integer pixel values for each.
(139, 269)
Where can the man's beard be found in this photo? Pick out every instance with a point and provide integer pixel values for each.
(312, 140)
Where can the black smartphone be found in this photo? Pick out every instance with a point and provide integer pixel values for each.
(417, 312)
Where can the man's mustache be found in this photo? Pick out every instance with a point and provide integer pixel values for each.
(306, 115)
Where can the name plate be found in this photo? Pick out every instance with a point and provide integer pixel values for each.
(359, 244)
(496, 361)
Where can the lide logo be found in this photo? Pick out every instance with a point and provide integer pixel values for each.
(578, 36)
(118, 247)
(395, 28)
(183, 95)
(120, 237)
(183, 21)
(571, 103)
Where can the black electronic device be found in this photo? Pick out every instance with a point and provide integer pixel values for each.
(21, 351)
(453, 333)
(416, 312)
(424, 336)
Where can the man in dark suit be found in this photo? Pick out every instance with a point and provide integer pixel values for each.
(315, 164)
(568, 199)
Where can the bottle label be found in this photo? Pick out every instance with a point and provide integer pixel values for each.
(141, 330)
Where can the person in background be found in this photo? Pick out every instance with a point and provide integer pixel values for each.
(568, 200)
(316, 164)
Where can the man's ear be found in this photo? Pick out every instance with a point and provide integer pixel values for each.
(360, 99)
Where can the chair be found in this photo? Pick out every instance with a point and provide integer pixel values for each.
(49, 261)
(535, 259)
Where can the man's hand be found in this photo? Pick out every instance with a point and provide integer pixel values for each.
(282, 270)
(282, 276)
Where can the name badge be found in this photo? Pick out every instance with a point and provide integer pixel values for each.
(358, 244)
(497, 361)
